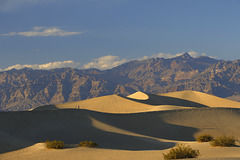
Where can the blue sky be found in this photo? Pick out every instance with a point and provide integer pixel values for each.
(45, 34)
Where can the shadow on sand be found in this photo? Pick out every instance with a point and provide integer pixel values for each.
(71, 126)
(165, 100)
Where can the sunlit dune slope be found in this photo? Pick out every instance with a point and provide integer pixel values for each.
(139, 96)
(119, 104)
(203, 98)
(108, 104)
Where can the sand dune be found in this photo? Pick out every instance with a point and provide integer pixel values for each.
(142, 102)
(120, 104)
(139, 96)
(203, 98)
(108, 104)
(159, 100)
(159, 130)
(140, 126)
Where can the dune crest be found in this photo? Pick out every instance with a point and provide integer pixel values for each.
(139, 96)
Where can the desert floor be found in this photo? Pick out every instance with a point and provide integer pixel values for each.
(140, 126)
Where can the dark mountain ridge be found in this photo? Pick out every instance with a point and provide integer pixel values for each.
(27, 88)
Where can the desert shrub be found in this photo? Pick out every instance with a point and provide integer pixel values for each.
(205, 138)
(181, 151)
(88, 144)
(54, 144)
(224, 141)
(47, 141)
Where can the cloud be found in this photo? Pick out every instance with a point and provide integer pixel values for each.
(13, 5)
(196, 54)
(105, 62)
(170, 55)
(6, 5)
(47, 66)
(167, 55)
(102, 63)
(43, 32)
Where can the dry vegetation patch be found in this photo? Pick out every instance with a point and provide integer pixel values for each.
(181, 151)
(205, 138)
(54, 144)
(224, 141)
(88, 144)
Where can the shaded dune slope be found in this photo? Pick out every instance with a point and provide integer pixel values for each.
(140, 131)
(158, 100)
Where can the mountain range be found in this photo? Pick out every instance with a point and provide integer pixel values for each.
(26, 88)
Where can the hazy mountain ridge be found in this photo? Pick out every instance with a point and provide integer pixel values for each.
(26, 88)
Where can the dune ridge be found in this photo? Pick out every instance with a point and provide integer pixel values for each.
(142, 102)
(118, 104)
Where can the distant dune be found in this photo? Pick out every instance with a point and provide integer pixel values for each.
(142, 102)
(139, 96)
(140, 126)
(120, 104)
(203, 98)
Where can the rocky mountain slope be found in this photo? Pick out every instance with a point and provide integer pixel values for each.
(26, 88)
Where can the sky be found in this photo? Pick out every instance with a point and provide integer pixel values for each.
(47, 34)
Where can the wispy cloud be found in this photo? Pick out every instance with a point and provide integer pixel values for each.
(194, 54)
(110, 61)
(8, 5)
(105, 62)
(43, 32)
(47, 66)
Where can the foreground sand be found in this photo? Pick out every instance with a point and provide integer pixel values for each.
(39, 152)
(136, 132)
